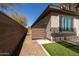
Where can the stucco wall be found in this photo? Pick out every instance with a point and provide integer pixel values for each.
(48, 32)
(55, 21)
(52, 23)
(76, 25)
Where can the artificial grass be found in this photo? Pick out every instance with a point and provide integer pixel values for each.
(62, 49)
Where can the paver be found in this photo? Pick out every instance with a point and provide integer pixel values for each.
(31, 48)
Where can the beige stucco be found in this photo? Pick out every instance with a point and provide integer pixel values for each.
(48, 32)
(54, 21)
(76, 25)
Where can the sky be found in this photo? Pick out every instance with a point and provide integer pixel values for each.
(31, 11)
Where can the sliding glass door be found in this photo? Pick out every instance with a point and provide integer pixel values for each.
(66, 23)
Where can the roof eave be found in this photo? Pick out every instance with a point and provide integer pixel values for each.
(56, 10)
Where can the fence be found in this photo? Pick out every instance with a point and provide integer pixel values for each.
(11, 35)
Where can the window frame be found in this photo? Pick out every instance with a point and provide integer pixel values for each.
(60, 24)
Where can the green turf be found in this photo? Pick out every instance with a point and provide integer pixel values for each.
(62, 49)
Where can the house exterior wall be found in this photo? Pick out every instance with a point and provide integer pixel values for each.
(50, 25)
(38, 33)
(76, 25)
(39, 30)
(70, 6)
(48, 29)
(54, 19)
(54, 23)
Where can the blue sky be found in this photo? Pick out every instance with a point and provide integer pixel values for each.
(31, 11)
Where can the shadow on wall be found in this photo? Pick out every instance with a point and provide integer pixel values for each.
(11, 35)
(19, 47)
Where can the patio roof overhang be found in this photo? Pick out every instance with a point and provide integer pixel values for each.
(57, 10)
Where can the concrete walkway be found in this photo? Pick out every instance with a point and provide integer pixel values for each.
(44, 41)
(31, 48)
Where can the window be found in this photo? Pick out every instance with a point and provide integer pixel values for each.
(66, 23)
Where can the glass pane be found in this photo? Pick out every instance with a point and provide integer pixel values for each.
(69, 23)
(62, 23)
(66, 23)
